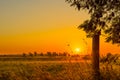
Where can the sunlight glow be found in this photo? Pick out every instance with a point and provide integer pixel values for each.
(77, 50)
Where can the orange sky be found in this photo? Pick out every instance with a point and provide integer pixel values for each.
(43, 25)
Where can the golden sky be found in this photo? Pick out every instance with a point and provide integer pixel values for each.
(43, 25)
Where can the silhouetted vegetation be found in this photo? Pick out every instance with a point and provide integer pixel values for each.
(24, 55)
(110, 59)
(30, 54)
(35, 54)
(102, 13)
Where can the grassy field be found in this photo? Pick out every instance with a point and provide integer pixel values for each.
(54, 70)
(39, 70)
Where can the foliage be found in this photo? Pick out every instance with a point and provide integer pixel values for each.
(110, 59)
(105, 15)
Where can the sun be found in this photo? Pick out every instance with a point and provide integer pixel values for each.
(77, 50)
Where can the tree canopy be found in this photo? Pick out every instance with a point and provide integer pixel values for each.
(105, 15)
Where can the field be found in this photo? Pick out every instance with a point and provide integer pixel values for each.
(55, 68)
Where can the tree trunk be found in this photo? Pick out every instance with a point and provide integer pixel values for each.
(95, 57)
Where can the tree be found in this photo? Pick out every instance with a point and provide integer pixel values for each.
(102, 12)
(41, 54)
(54, 54)
(49, 54)
(35, 54)
(30, 54)
(65, 53)
(24, 55)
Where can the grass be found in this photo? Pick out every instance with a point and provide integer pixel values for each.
(34, 58)
(55, 70)
(19, 70)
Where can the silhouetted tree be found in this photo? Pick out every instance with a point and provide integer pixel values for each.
(24, 55)
(65, 53)
(41, 54)
(35, 53)
(60, 54)
(30, 54)
(101, 11)
(49, 54)
(54, 54)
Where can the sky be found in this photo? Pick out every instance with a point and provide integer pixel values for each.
(44, 25)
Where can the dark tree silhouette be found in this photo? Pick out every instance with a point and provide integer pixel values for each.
(30, 54)
(35, 54)
(24, 54)
(49, 54)
(41, 54)
(54, 54)
(65, 53)
(102, 12)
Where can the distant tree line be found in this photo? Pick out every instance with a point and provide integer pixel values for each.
(45, 54)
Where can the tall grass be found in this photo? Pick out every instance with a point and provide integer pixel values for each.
(43, 71)
(54, 70)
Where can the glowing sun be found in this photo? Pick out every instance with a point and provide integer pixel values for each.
(77, 50)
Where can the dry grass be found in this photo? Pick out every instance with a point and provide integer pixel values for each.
(54, 70)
